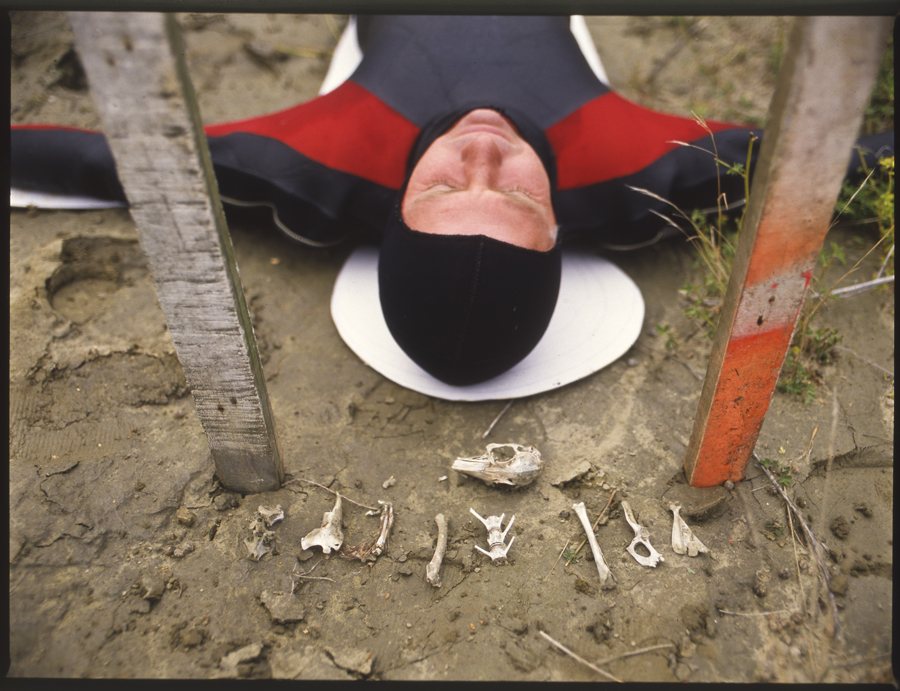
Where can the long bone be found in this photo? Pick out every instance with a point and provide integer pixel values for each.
(641, 536)
(602, 568)
(495, 537)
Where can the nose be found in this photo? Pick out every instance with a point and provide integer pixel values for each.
(482, 157)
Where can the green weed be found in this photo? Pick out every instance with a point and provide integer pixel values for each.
(667, 333)
(571, 556)
(783, 473)
(714, 237)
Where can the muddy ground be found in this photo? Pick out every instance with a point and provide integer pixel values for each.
(128, 560)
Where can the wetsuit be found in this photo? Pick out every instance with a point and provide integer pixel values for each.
(332, 166)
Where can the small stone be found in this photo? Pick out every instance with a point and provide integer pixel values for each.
(729, 485)
(839, 584)
(191, 637)
(633, 362)
(242, 655)
(185, 517)
(152, 586)
(784, 574)
(864, 510)
(283, 608)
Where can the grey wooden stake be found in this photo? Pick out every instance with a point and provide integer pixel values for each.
(138, 78)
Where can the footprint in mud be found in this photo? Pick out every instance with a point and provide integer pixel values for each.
(105, 282)
(92, 270)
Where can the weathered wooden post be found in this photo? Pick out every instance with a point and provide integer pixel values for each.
(823, 87)
(138, 79)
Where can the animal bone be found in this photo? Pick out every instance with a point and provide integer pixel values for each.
(329, 536)
(271, 516)
(520, 470)
(602, 569)
(433, 570)
(387, 520)
(683, 539)
(495, 537)
(641, 536)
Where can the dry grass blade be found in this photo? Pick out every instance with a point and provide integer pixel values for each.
(814, 543)
(328, 489)
(577, 658)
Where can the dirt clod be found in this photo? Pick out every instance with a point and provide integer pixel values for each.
(840, 526)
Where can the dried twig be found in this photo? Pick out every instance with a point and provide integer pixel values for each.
(433, 570)
(878, 367)
(632, 653)
(816, 546)
(305, 574)
(563, 551)
(568, 652)
(328, 489)
(796, 558)
(884, 263)
(497, 419)
(755, 614)
(850, 291)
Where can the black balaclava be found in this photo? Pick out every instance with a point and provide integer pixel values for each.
(466, 308)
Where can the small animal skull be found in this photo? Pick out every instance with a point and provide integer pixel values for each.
(520, 470)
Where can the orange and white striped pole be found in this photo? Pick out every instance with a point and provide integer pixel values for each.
(823, 87)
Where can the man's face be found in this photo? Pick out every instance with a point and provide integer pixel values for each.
(481, 178)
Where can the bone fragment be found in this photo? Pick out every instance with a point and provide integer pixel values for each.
(433, 570)
(642, 537)
(683, 539)
(602, 568)
(495, 537)
(387, 520)
(271, 516)
(330, 535)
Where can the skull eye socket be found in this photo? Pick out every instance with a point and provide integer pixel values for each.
(503, 454)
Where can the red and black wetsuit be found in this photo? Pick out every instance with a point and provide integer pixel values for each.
(332, 166)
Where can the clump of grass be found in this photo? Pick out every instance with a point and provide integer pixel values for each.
(872, 203)
(714, 237)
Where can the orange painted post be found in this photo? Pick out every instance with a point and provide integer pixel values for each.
(823, 87)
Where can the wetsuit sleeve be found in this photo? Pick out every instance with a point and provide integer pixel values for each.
(326, 168)
(63, 161)
(611, 153)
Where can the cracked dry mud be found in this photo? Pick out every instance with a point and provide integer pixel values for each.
(110, 477)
